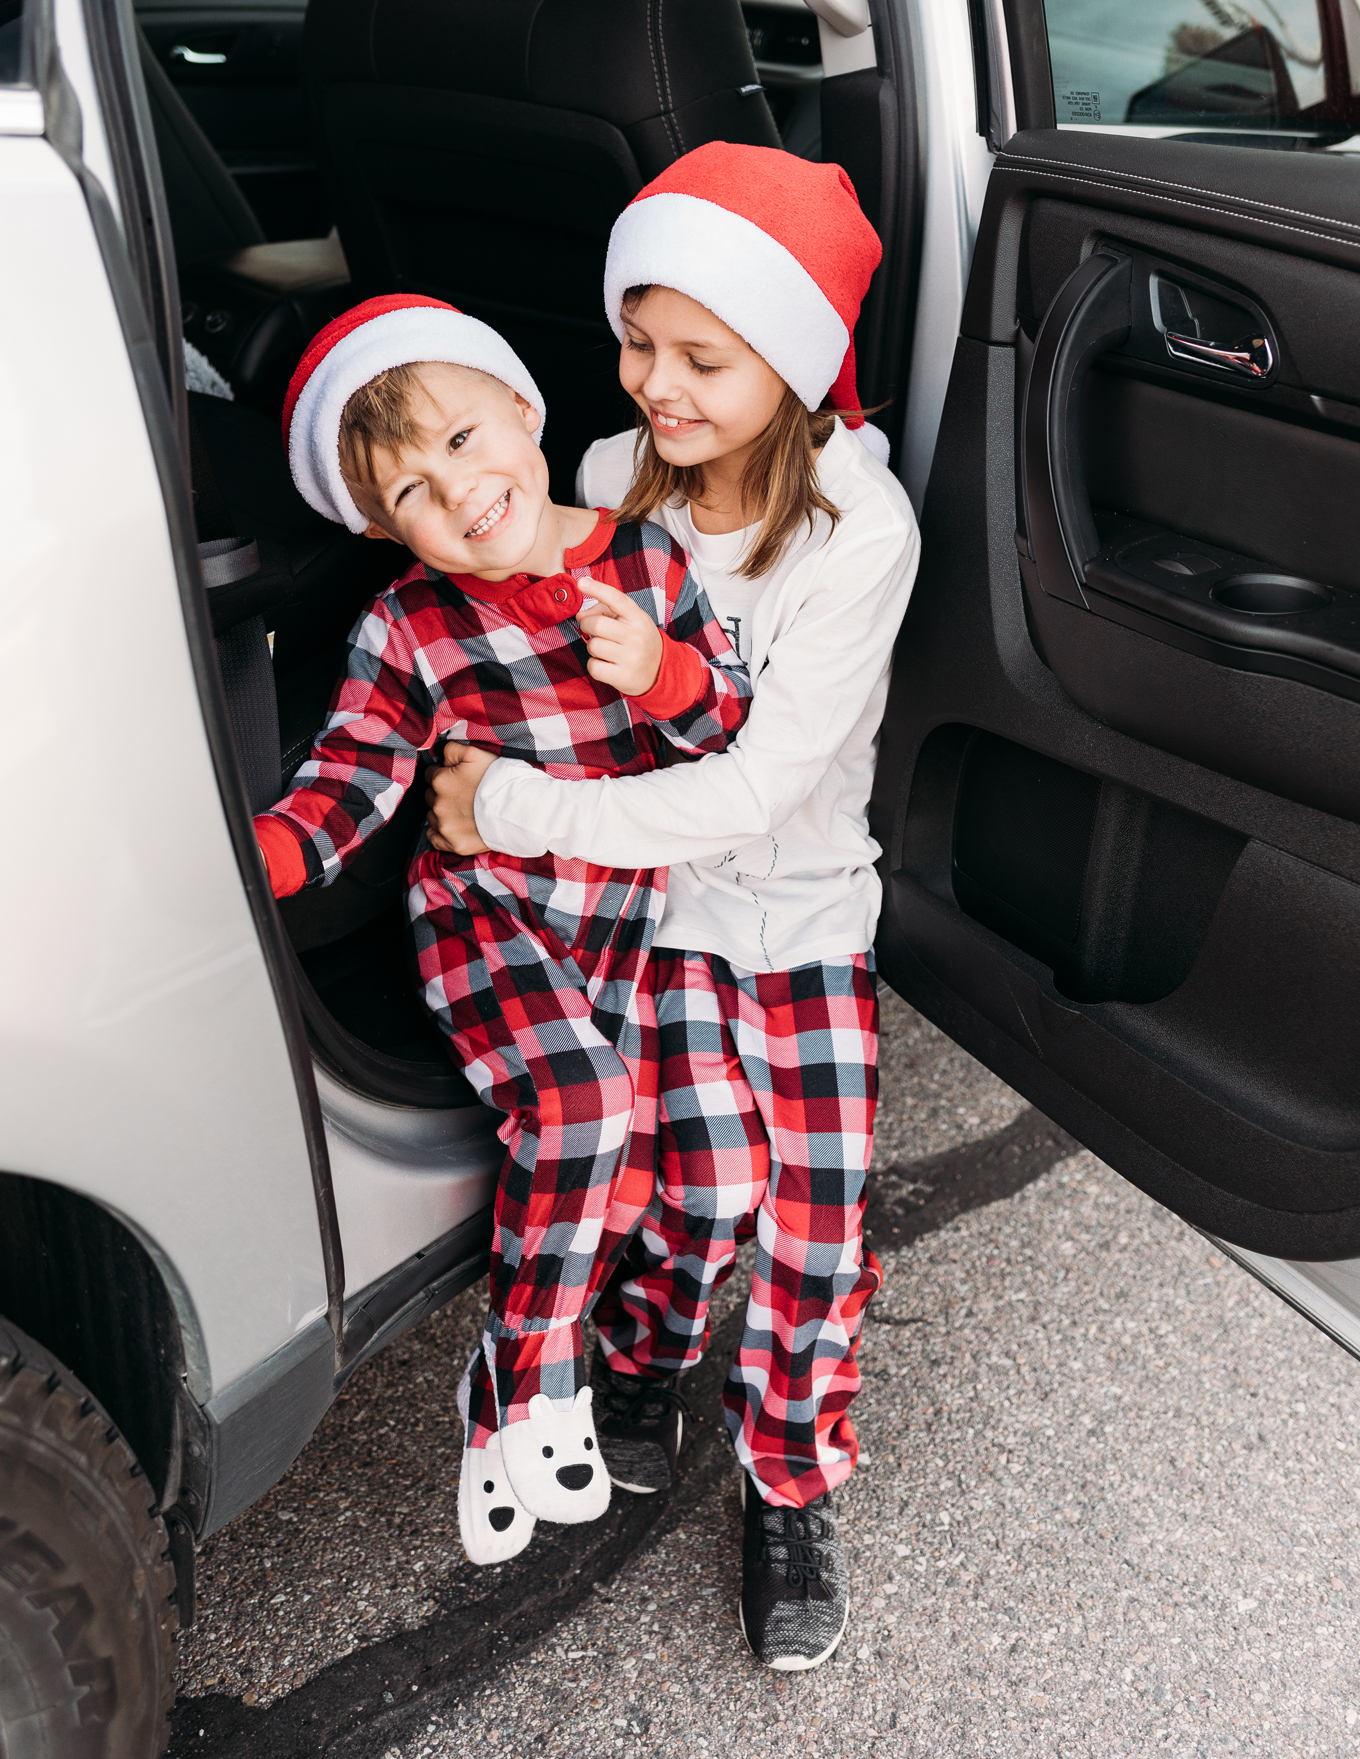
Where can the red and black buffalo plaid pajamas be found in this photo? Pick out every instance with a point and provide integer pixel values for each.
(768, 1086)
(535, 969)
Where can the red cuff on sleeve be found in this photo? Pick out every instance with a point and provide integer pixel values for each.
(680, 681)
(283, 856)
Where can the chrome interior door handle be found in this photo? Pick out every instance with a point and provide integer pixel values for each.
(1251, 358)
(197, 57)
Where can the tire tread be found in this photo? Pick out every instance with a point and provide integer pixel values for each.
(48, 1399)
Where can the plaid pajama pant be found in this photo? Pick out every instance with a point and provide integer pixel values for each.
(769, 1082)
(537, 973)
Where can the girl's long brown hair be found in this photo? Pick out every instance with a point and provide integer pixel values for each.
(778, 486)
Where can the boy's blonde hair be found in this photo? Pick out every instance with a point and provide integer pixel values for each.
(381, 415)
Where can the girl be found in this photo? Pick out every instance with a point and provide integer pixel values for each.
(733, 283)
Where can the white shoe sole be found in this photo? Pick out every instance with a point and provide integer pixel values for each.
(796, 1663)
(650, 1489)
(790, 1663)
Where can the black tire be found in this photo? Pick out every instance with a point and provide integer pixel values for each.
(87, 1609)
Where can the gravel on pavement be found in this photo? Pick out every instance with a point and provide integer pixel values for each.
(1107, 1506)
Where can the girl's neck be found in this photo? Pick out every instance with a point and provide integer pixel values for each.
(722, 510)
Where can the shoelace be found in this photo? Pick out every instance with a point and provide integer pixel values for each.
(793, 1532)
(648, 1404)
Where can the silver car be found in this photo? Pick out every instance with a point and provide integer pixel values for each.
(1119, 783)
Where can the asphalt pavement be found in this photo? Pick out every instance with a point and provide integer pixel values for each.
(1107, 1506)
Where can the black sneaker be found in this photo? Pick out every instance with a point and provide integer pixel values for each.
(795, 1588)
(638, 1423)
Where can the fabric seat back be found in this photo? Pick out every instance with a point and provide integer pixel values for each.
(480, 150)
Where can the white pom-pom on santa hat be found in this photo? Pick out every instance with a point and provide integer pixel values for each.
(395, 329)
(775, 246)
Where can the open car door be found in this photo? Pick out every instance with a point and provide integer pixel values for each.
(1119, 781)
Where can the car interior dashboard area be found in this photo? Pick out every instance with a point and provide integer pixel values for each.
(476, 151)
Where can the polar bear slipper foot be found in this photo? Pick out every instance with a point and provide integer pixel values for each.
(493, 1523)
(553, 1460)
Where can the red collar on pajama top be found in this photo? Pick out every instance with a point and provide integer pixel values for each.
(502, 665)
(536, 601)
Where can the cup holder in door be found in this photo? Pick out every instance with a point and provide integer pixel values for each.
(1271, 595)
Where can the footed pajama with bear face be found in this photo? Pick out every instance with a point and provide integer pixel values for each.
(534, 970)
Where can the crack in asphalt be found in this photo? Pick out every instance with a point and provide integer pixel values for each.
(376, 1696)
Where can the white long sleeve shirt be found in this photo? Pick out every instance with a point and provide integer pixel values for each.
(768, 844)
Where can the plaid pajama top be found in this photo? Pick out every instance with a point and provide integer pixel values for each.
(502, 665)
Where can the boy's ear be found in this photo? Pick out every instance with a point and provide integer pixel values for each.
(527, 411)
(372, 529)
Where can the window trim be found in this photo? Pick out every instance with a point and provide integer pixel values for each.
(1031, 69)
(992, 76)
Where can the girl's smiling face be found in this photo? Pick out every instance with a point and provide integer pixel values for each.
(705, 392)
(470, 494)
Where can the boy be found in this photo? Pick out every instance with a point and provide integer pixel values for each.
(546, 633)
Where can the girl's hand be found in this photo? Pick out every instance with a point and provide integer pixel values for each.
(623, 643)
(452, 789)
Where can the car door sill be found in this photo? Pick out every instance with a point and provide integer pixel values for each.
(1301, 1285)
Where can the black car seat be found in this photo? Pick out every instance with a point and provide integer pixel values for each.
(480, 150)
(314, 575)
(250, 304)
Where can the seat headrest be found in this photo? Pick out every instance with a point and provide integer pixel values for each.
(624, 61)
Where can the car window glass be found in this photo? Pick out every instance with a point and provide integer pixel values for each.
(1275, 72)
(12, 57)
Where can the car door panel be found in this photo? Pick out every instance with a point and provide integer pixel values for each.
(1266, 499)
(1220, 474)
(1118, 801)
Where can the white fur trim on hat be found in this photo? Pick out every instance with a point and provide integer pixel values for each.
(737, 271)
(394, 338)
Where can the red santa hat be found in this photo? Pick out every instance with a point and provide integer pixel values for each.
(394, 330)
(775, 246)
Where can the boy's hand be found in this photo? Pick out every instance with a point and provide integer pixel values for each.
(452, 789)
(623, 642)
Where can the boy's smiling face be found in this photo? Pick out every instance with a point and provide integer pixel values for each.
(469, 495)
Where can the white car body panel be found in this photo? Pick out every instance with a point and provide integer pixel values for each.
(74, 49)
(1328, 1294)
(142, 1058)
(957, 162)
(402, 1177)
